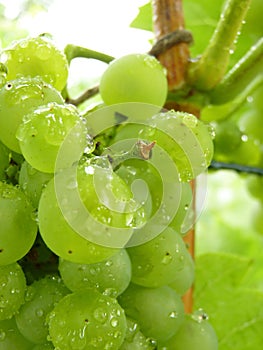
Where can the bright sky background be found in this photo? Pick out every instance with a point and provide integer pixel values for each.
(97, 24)
(101, 25)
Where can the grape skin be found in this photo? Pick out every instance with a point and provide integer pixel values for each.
(194, 334)
(18, 224)
(96, 322)
(17, 98)
(60, 237)
(40, 298)
(155, 263)
(36, 56)
(11, 338)
(127, 78)
(43, 131)
(158, 311)
(13, 287)
(111, 276)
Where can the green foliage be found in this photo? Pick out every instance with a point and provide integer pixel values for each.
(235, 311)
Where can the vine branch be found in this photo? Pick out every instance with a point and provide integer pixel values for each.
(167, 18)
(207, 72)
(237, 167)
(246, 73)
(169, 40)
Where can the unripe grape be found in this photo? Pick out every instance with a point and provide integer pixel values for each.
(134, 78)
(37, 56)
(17, 98)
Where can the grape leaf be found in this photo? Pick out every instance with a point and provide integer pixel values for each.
(235, 312)
(144, 18)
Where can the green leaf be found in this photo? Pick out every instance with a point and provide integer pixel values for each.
(144, 18)
(235, 312)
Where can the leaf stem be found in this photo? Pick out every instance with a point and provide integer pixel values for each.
(208, 71)
(243, 76)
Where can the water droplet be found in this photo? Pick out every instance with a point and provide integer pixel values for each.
(167, 259)
(108, 263)
(100, 315)
(173, 314)
(199, 316)
(114, 322)
(39, 312)
(244, 138)
(30, 293)
(190, 120)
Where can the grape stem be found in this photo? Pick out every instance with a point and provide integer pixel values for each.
(205, 73)
(245, 75)
(237, 167)
(140, 149)
(73, 51)
(90, 92)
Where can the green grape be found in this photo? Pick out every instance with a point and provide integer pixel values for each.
(32, 182)
(13, 286)
(36, 56)
(4, 160)
(250, 115)
(18, 225)
(134, 78)
(17, 98)
(184, 217)
(184, 278)
(158, 311)
(45, 346)
(196, 333)
(134, 339)
(111, 276)
(134, 169)
(11, 338)
(255, 185)
(156, 262)
(248, 152)
(187, 140)
(250, 123)
(131, 171)
(113, 204)
(43, 131)
(60, 237)
(227, 137)
(87, 320)
(257, 219)
(40, 298)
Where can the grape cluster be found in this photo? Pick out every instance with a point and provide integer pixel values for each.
(93, 208)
